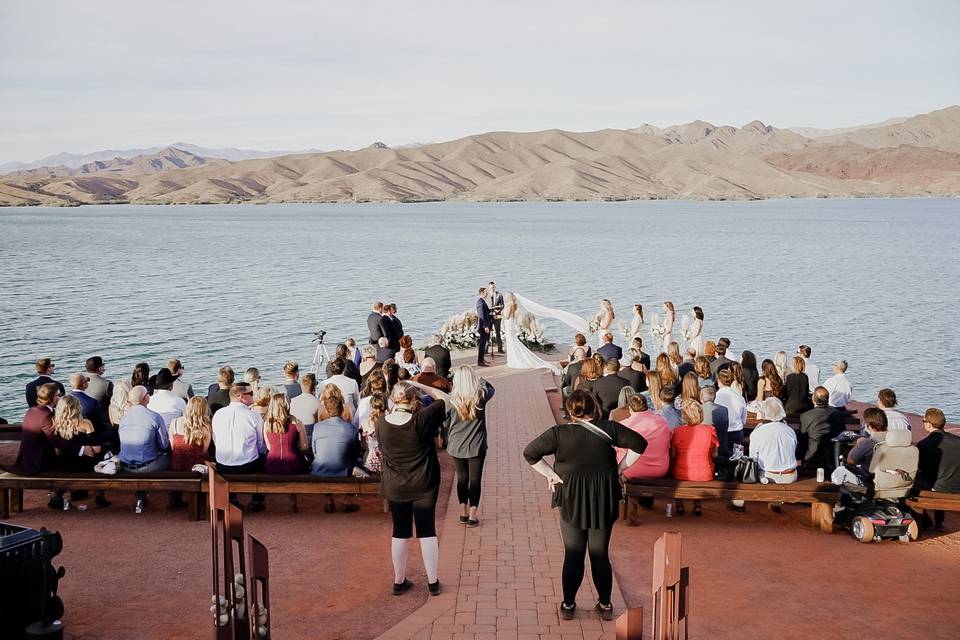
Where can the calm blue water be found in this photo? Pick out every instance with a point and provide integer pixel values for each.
(872, 281)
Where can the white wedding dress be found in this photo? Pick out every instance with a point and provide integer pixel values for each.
(696, 336)
(518, 355)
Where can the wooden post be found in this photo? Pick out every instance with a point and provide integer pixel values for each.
(221, 555)
(630, 625)
(241, 627)
(258, 589)
(671, 582)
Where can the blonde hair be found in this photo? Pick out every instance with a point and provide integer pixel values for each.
(263, 396)
(467, 393)
(653, 386)
(692, 412)
(799, 364)
(67, 417)
(196, 421)
(669, 306)
(780, 361)
(606, 304)
(333, 391)
(673, 352)
(278, 414)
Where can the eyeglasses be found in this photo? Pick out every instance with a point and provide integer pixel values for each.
(247, 393)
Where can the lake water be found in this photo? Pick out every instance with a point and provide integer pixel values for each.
(872, 281)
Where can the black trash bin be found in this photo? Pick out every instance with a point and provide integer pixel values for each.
(29, 606)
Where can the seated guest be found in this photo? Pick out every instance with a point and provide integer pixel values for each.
(349, 387)
(261, 400)
(368, 363)
(693, 446)
(408, 361)
(728, 353)
(608, 387)
(839, 385)
(668, 374)
(773, 444)
(667, 408)
(710, 350)
(687, 364)
(252, 377)
(220, 398)
(673, 353)
(701, 367)
(655, 460)
(190, 436)
(238, 439)
(721, 361)
(391, 373)
(89, 407)
(608, 350)
(164, 401)
(44, 367)
(812, 370)
(37, 453)
(689, 389)
(751, 377)
(737, 385)
(637, 343)
(653, 390)
(336, 446)
(118, 401)
(736, 408)
(440, 355)
(353, 351)
(571, 373)
(875, 430)
(98, 387)
(780, 361)
(285, 437)
(306, 405)
(796, 389)
(291, 374)
(634, 372)
(818, 426)
(376, 384)
(403, 374)
(331, 391)
(384, 351)
(770, 385)
(717, 416)
(429, 376)
(896, 421)
(77, 446)
(590, 371)
(183, 390)
(580, 342)
(350, 368)
(939, 460)
(143, 439)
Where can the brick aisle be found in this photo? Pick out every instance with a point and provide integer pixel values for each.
(502, 579)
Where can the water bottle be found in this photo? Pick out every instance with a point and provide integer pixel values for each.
(820, 474)
(670, 510)
(66, 504)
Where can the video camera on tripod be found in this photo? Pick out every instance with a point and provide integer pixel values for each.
(320, 355)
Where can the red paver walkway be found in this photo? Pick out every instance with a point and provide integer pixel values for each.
(502, 580)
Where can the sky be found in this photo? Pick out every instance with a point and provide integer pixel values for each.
(85, 76)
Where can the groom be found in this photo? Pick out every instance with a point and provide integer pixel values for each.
(483, 326)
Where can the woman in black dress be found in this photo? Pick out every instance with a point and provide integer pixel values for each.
(751, 376)
(796, 389)
(410, 479)
(586, 487)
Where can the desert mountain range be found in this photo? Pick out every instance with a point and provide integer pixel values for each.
(915, 156)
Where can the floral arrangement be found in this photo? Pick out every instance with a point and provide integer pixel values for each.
(624, 330)
(460, 332)
(594, 325)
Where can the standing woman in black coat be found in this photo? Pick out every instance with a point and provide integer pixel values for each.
(586, 487)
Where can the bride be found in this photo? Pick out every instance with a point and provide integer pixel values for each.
(518, 355)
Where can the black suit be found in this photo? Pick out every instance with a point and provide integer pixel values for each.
(378, 327)
(607, 391)
(645, 359)
(638, 381)
(440, 355)
(817, 427)
(721, 362)
(685, 367)
(218, 399)
(394, 331)
(496, 306)
(33, 385)
(610, 350)
(570, 375)
(384, 354)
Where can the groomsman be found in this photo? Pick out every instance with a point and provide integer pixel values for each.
(377, 323)
(495, 302)
(393, 325)
(483, 326)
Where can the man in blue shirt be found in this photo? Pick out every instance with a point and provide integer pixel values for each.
(143, 439)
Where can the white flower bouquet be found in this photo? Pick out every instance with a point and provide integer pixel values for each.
(460, 332)
(532, 334)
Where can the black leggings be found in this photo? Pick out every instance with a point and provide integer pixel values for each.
(469, 474)
(423, 512)
(576, 543)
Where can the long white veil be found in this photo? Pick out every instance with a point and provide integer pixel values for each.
(572, 320)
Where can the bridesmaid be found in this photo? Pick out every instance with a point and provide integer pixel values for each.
(696, 331)
(636, 325)
(668, 321)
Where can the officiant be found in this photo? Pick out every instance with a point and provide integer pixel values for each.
(495, 302)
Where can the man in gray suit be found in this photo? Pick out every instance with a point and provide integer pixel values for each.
(98, 387)
(716, 415)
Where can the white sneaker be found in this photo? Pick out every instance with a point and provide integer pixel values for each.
(139, 507)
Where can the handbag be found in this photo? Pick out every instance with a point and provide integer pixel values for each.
(747, 471)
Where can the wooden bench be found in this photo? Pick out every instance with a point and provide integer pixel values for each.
(821, 496)
(11, 432)
(190, 484)
(934, 500)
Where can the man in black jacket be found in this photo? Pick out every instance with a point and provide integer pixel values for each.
(384, 352)
(607, 388)
(644, 357)
(939, 461)
(610, 351)
(377, 323)
(393, 325)
(440, 355)
(817, 427)
(571, 373)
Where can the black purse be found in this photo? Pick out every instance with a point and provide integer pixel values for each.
(747, 471)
